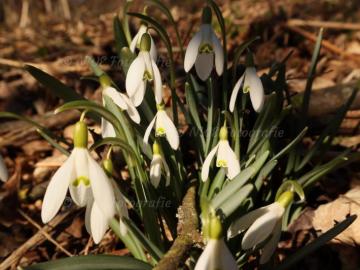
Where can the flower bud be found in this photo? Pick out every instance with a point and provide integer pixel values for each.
(206, 15)
(145, 42)
(81, 135)
(105, 80)
(223, 134)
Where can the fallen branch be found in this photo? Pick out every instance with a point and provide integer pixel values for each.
(188, 233)
(324, 24)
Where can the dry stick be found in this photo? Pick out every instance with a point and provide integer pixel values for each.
(48, 236)
(34, 241)
(324, 24)
(66, 9)
(188, 233)
(24, 19)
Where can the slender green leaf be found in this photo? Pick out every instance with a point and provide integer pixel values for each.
(120, 37)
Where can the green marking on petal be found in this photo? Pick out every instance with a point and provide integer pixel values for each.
(246, 89)
(147, 76)
(81, 179)
(206, 48)
(160, 132)
(221, 163)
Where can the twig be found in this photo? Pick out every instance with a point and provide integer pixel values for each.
(188, 233)
(34, 241)
(24, 19)
(324, 24)
(47, 236)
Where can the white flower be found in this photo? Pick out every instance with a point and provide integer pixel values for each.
(141, 71)
(135, 43)
(216, 256)
(263, 223)
(84, 178)
(203, 49)
(4, 175)
(163, 127)
(158, 166)
(226, 158)
(121, 100)
(249, 82)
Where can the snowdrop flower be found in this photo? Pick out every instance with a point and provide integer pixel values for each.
(143, 70)
(203, 48)
(95, 222)
(226, 157)
(4, 175)
(135, 43)
(216, 255)
(264, 224)
(121, 100)
(164, 127)
(158, 166)
(85, 179)
(249, 82)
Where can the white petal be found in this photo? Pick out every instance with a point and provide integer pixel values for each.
(134, 42)
(131, 109)
(139, 94)
(153, 51)
(171, 132)
(167, 172)
(271, 246)
(261, 228)
(219, 54)
(148, 130)
(88, 215)
(235, 93)
(232, 163)
(81, 193)
(107, 129)
(115, 96)
(148, 62)
(157, 84)
(192, 51)
(227, 158)
(135, 75)
(57, 188)
(227, 260)
(99, 224)
(3, 170)
(245, 221)
(123, 228)
(207, 257)
(102, 189)
(204, 65)
(206, 165)
(155, 170)
(256, 89)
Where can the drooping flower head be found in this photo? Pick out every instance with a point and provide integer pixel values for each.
(204, 49)
(135, 43)
(143, 70)
(264, 225)
(83, 177)
(216, 255)
(158, 167)
(250, 83)
(4, 175)
(225, 157)
(164, 127)
(121, 100)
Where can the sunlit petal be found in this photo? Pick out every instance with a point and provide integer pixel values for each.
(148, 130)
(206, 165)
(139, 94)
(171, 132)
(219, 54)
(88, 215)
(157, 84)
(271, 246)
(155, 170)
(235, 93)
(192, 51)
(115, 96)
(153, 51)
(131, 109)
(99, 224)
(256, 90)
(56, 190)
(135, 75)
(107, 129)
(232, 163)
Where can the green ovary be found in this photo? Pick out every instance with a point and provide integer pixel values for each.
(81, 179)
(221, 163)
(206, 48)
